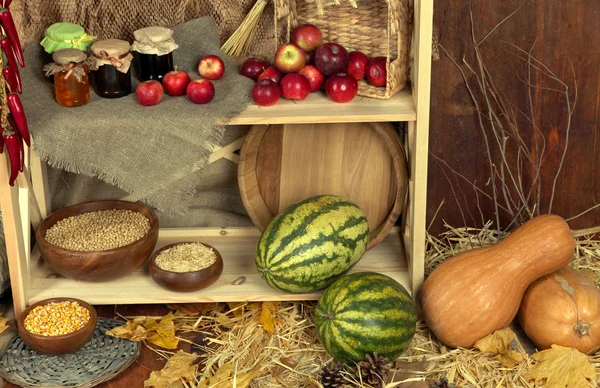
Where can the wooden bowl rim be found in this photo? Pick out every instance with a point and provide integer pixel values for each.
(157, 268)
(93, 318)
(258, 209)
(41, 239)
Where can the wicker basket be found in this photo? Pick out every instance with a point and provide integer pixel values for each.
(376, 27)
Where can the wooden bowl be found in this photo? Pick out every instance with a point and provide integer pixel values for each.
(186, 281)
(97, 266)
(362, 162)
(60, 344)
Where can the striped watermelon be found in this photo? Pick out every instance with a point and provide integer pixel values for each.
(363, 313)
(310, 244)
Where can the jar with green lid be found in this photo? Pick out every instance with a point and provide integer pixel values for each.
(112, 75)
(154, 47)
(70, 69)
(64, 35)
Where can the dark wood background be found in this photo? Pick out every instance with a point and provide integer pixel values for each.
(562, 32)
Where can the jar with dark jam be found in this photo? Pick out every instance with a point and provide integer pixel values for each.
(64, 35)
(112, 75)
(71, 84)
(154, 47)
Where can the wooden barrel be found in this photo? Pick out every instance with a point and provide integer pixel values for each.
(362, 162)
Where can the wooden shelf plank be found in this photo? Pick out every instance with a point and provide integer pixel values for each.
(317, 108)
(237, 248)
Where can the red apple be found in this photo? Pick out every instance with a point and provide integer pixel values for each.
(175, 82)
(290, 58)
(295, 87)
(308, 37)
(271, 73)
(341, 87)
(252, 67)
(314, 77)
(211, 67)
(331, 58)
(149, 93)
(200, 91)
(266, 93)
(357, 64)
(376, 71)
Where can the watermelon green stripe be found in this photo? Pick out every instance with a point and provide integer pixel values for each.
(323, 222)
(323, 250)
(298, 216)
(383, 300)
(305, 276)
(363, 313)
(361, 345)
(311, 244)
(335, 236)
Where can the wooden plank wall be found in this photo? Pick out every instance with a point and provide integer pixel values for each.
(559, 31)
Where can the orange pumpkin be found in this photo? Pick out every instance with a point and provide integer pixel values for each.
(479, 291)
(562, 308)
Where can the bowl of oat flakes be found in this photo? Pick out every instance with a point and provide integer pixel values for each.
(186, 266)
(99, 240)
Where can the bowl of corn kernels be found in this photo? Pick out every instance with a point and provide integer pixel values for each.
(186, 266)
(99, 240)
(57, 325)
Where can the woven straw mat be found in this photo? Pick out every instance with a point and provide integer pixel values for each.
(119, 18)
(155, 153)
(101, 359)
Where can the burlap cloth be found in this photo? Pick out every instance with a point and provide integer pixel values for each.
(154, 153)
(119, 18)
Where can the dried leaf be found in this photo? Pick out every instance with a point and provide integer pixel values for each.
(131, 331)
(3, 324)
(237, 308)
(191, 309)
(404, 370)
(180, 367)
(224, 319)
(266, 316)
(221, 378)
(562, 367)
(243, 381)
(162, 333)
(292, 361)
(266, 319)
(502, 342)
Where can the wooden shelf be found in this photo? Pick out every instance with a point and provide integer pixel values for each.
(237, 248)
(317, 108)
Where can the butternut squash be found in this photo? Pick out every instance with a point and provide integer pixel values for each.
(479, 291)
(562, 308)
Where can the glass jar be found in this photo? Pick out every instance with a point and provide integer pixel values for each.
(64, 35)
(71, 83)
(154, 47)
(112, 75)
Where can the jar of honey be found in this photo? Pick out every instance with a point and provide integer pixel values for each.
(112, 75)
(64, 35)
(70, 69)
(154, 49)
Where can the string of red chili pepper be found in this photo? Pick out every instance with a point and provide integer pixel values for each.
(11, 64)
(14, 126)
(8, 24)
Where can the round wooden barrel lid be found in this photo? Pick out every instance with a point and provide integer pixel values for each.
(362, 162)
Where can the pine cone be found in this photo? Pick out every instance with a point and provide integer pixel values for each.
(442, 383)
(331, 377)
(374, 370)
